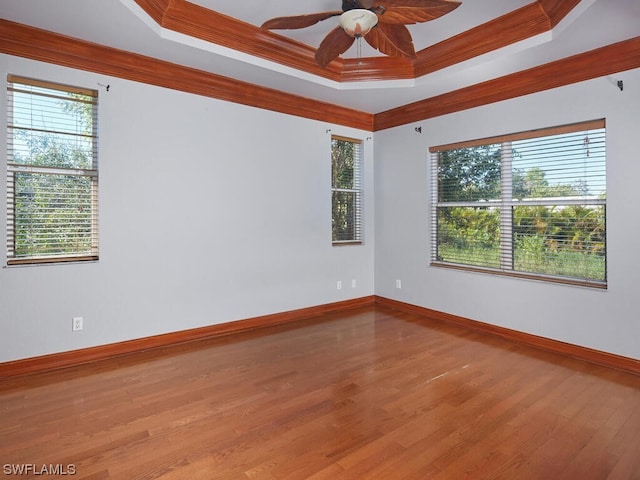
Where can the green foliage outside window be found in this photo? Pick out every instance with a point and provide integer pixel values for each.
(346, 195)
(52, 173)
(543, 226)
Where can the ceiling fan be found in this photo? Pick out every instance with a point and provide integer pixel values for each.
(380, 22)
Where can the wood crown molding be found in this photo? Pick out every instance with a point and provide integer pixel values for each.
(199, 22)
(36, 44)
(24, 41)
(29, 42)
(155, 8)
(603, 61)
(556, 10)
(503, 31)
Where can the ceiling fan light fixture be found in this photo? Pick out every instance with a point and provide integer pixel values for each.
(358, 22)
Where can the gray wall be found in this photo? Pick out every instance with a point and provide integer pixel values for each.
(212, 212)
(604, 320)
(209, 212)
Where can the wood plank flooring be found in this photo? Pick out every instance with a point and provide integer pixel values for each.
(364, 394)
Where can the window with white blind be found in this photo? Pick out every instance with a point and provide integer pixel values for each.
(531, 204)
(52, 172)
(346, 190)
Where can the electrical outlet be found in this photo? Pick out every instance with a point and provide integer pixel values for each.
(76, 324)
(339, 285)
(354, 284)
(398, 283)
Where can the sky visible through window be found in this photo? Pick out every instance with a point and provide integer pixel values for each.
(576, 159)
(41, 113)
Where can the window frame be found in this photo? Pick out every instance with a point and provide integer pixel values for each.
(22, 84)
(506, 205)
(356, 190)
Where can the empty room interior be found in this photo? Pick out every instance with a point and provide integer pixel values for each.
(386, 239)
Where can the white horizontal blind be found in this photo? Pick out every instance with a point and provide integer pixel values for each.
(529, 204)
(52, 172)
(346, 190)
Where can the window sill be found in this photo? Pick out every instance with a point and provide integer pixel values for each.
(31, 262)
(526, 276)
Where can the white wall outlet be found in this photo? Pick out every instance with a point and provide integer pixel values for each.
(339, 284)
(398, 283)
(354, 283)
(77, 324)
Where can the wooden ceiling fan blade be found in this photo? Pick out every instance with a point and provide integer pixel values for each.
(407, 12)
(298, 21)
(393, 40)
(335, 43)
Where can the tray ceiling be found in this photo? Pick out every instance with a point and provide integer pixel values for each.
(479, 41)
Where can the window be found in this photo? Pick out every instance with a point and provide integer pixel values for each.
(52, 172)
(531, 204)
(346, 190)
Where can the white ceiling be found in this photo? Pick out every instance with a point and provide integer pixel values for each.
(122, 24)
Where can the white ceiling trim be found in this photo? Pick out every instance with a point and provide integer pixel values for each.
(455, 76)
(171, 35)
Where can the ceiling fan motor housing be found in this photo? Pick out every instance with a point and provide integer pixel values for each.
(358, 22)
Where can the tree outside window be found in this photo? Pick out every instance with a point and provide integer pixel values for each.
(52, 172)
(346, 198)
(531, 204)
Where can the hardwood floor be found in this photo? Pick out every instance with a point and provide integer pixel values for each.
(369, 393)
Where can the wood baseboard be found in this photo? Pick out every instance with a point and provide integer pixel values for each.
(93, 354)
(597, 357)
